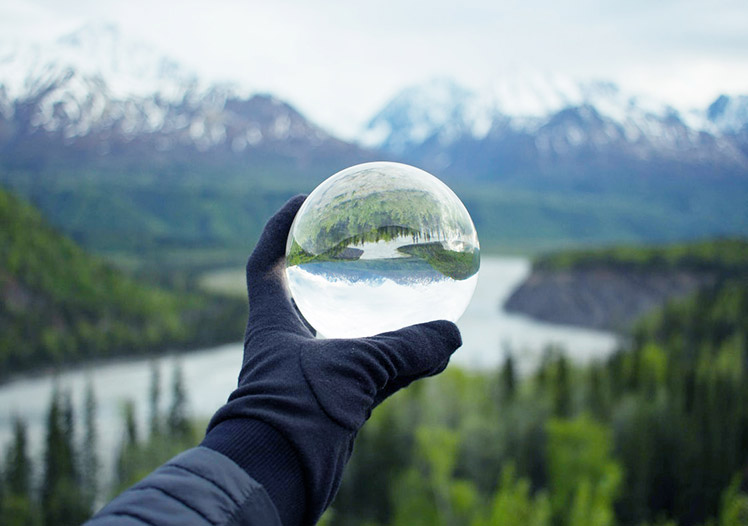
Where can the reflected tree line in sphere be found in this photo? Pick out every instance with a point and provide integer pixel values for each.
(426, 245)
(383, 215)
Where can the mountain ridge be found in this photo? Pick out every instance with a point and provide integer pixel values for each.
(96, 82)
(192, 165)
(439, 123)
(98, 93)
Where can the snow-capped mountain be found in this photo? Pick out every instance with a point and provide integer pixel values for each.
(89, 80)
(96, 91)
(528, 119)
(440, 108)
(443, 107)
(127, 67)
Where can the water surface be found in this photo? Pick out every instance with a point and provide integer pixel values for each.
(210, 375)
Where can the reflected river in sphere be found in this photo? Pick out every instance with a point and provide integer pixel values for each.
(380, 246)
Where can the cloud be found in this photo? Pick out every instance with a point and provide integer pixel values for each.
(339, 61)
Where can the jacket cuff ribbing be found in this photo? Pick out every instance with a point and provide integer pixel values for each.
(268, 458)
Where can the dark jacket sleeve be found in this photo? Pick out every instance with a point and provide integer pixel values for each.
(199, 487)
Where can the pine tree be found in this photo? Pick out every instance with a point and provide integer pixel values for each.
(62, 500)
(68, 429)
(508, 379)
(128, 448)
(18, 507)
(596, 396)
(55, 457)
(541, 375)
(89, 457)
(177, 421)
(155, 399)
(131, 424)
(562, 389)
(17, 462)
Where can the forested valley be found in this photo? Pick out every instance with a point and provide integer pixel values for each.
(657, 434)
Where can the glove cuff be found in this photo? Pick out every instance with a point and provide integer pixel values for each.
(268, 458)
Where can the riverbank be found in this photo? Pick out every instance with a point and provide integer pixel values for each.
(601, 298)
(609, 289)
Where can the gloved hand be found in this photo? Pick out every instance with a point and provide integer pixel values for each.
(315, 393)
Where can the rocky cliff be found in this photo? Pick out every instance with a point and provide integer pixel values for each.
(601, 297)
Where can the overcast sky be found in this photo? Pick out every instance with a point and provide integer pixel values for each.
(338, 61)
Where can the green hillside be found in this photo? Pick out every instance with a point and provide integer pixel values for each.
(61, 305)
(208, 214)
(163, 216)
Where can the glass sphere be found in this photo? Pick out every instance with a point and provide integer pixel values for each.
(380, 246)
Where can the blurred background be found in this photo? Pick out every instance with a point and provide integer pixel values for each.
(601, 149)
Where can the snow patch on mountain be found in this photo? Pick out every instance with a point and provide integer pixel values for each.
(127, 67)
(522, 93)
(522, 102)
(419, 112)
(96, 84)
(559, 115)
(97, 81)
(729, 114)
(93, 79)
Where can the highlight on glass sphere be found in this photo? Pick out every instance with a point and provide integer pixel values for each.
(380, 246)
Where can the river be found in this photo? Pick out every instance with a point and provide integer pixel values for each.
(210, 374)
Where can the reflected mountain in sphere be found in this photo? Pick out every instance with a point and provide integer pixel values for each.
(380, 246)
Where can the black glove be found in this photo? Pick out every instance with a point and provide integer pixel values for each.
(315, 393)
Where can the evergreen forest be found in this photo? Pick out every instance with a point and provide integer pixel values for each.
(67, 306)
(656, 434)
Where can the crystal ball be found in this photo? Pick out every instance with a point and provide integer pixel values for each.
(380, 246)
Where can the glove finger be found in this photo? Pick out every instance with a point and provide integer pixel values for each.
(270, 303)
(348, 375)
(272, 244)
(416, 350)
(401, 382)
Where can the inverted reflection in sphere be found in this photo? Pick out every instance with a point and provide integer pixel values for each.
(379, 246)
